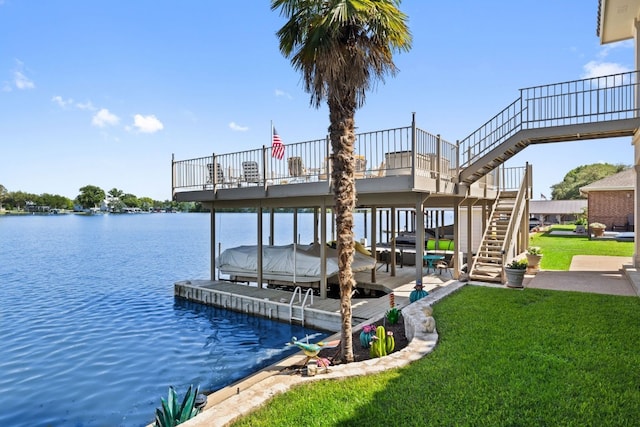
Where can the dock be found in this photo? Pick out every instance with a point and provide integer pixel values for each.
(302, 306)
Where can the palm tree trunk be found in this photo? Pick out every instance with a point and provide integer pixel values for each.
(342, 136)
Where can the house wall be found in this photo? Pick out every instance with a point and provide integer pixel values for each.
(610, 207)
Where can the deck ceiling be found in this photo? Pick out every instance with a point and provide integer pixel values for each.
(616, 19)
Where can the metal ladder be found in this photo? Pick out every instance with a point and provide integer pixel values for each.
(301, 304)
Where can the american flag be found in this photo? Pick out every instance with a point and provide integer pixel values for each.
(277, 147)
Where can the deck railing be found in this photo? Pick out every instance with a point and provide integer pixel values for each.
(399, 151)
(592, 100)
(412, 151)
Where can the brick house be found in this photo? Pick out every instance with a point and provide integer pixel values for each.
(611, 200)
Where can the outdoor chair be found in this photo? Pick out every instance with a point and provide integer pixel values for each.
(296, 167)
(381, 172)
(360, 166)
(215, 172)
(445, 265)
(619, 227)
(251, 172)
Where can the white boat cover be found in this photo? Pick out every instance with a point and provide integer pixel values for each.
(279, 262)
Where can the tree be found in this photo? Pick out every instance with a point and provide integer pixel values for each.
(3, 194)
(90, 196)
(569, 188)
(341, 47)
(54, 201)
(17, 199)
(130, 200)
(115, 193)
(146, 203)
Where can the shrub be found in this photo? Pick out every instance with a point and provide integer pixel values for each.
(172, 413)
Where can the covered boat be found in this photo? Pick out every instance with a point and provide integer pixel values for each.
(288, 263)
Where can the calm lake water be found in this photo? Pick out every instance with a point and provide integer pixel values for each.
(91, 332)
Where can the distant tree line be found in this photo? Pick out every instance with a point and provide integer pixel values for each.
(90, 196)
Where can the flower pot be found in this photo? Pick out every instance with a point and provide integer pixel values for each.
(515, 277)
(533, 263)
(598, 232)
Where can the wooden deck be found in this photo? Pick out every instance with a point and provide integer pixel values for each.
(322, 313)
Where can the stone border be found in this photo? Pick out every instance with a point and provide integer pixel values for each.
(258, 389)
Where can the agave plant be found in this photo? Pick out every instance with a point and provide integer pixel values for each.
(171, 414)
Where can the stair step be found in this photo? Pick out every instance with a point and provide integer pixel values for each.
(488, 259)
(492, 267)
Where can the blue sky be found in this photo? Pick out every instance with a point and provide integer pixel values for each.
(103, 92)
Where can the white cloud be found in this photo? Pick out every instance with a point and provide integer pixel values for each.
(625, 44)
(104, 118)
(283, 93)
(61, 101)
(237, 127)
(598, 68)
(147, 124)
(86, 106)
(21, 81)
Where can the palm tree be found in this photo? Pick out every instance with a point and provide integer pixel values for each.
(340, 46)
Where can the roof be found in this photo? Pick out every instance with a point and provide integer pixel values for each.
(562, 207)
(624, 180)
(616, 20)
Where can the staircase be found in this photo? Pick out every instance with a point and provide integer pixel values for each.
(598, 107)
(489, 259)
(506, 234)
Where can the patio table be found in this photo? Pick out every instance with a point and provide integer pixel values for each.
(431, 259)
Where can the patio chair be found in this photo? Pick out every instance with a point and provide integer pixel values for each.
(360, 166)
(445, 265)
(251, 172)
(296, 167)
(215, 172)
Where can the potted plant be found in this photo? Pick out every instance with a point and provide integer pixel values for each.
(515, 273)
(597, 228)
(534, 256)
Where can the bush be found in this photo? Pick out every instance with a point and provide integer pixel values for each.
(171, 413)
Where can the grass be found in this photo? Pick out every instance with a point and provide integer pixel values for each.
(525, 358)
(558, 250)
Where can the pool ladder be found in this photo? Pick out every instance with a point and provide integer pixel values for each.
(293, 308)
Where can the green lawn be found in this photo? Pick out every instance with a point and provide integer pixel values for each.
(504, 357)
(558, 250)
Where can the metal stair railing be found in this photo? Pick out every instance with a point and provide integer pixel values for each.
(591, 100)
(302, 303)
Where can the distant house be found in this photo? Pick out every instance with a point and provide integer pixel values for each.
(556, 211)
(611, 200)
